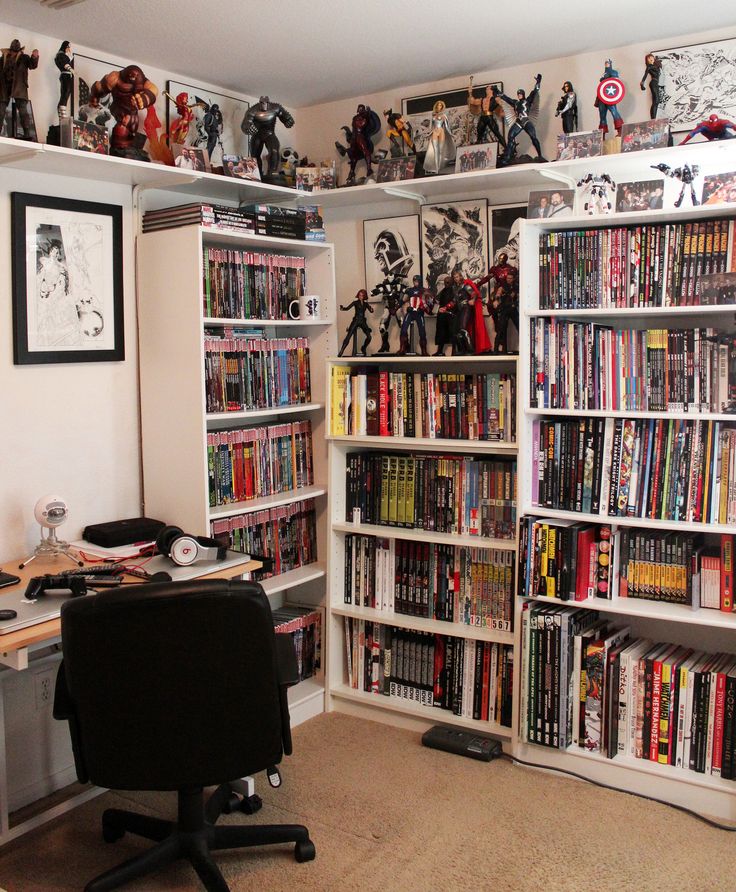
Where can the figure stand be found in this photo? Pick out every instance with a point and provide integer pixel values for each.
(50, 546)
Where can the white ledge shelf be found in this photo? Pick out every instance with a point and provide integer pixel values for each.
(215, 321)
(293, 578)
(248, 414)
(420, 624)
(631, 413)
(393, 532)
(498, 447)
(687, 526)
(274, 501)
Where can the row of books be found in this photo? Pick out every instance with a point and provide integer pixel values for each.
(667, 264)
(250, 463)
(577, 365)
(465, 495)
(665, 469)
(589, 685)
(303, 223)
(383, 403)
(304, 624)
(451, 583)
(573, 560)
(250, 284)
(255, 373)
(286, 534)
(471, 679)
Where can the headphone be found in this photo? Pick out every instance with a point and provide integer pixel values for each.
(184, 549)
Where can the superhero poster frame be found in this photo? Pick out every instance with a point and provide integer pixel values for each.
(404, 231)
(454, 236)
(234, 141)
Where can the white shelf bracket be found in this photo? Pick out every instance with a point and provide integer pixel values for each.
(560, 177)
(15, 659)
(400, 193)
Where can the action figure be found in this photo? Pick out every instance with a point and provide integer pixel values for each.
(212, 127)
(446, 306)
(599, 191)
(14, 68)
(524, 115)
(610, 92)
(503, 299)
(64, 61)
(713, 128)
(131, 91)
(391, 291)
(653, 70)
(567, 107)
(259, 123)
(418, 301)
(359, 306)
(686, 175)
(399, 133)
(365, 125)
(470, 327)
(488, 110)
(179, 129)
(441, 145)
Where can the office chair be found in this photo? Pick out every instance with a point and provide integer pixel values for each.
(177, 686)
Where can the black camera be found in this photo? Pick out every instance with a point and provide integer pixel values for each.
(39, 585)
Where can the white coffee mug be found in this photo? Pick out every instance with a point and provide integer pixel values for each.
(309, 306)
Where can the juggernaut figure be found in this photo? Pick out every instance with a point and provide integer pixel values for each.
(259, 123)
(14, 68)
(131, 92)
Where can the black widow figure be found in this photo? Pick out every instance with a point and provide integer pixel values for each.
(653, 70)
(358, 323)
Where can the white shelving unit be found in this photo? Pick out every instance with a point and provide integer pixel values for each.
(174, 420)
(710, 630)
(341, 696)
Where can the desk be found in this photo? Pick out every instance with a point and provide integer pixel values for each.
(15, 651)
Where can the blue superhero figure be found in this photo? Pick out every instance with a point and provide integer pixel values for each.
(418, 301)
(605, 107)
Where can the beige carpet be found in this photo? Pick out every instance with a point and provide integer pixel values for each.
(387, 814)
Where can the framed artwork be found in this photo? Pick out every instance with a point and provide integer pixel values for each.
(190, 158)
(454, 237)
(232, 140)
(645, 195)
(503, 231)
(697, 81)
(588, 144)
(391, 246)
(67, 280)
(478, 157)
(418, 112)
(645, 135)
(391, 170)
(548, 203)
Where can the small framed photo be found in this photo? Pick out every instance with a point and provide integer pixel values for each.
(646, 195)
(67, 280)
(719, 188)
(190, 158)
(645, 135)
(481, 157)
(314, 179)
(551, 203)
(391, 170)
(717, 289)
(240, 168)
(85, 136)
(588, 144)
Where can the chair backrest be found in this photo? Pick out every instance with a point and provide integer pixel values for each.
(172, 685)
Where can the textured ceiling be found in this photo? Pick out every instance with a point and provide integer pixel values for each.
(329, 49)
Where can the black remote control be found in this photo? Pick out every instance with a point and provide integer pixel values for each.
(462, 743)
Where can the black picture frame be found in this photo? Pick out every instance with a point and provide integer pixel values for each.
(67, 282)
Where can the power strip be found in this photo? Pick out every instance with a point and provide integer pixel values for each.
(462, 743)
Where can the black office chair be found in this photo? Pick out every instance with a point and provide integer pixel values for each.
(177, 686)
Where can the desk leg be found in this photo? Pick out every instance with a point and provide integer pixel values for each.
(4, 815)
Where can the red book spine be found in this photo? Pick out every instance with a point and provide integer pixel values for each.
(727, 572)
(383, 405)
(656, 703)
(718, 724)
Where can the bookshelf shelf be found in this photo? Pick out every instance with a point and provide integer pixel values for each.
(382, 532)
(629, 413)
(631, 313)
(440, 445)
(249, 414)
(438, 362)
(406, 621)
(301, 576)
(212, 321)
(306, 700)
(642, 522)
(430, 714)
(215, 235)
(283, 498)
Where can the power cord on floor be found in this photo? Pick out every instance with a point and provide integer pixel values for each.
(682, 808)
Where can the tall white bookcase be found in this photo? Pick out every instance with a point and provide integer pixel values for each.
(174, 418)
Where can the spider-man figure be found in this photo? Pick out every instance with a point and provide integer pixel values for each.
(712, 128)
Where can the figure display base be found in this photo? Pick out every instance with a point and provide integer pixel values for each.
(275, 179)
(131, 153)
(522, 159)
(611, 146)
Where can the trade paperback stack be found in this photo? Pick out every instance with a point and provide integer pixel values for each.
(216, 216)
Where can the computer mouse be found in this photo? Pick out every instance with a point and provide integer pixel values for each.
(8, 614)
(161, 576)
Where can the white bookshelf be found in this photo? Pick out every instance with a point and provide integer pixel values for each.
(697, 627)
(174, 420)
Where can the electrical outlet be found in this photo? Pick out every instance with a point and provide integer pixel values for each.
(44, 688)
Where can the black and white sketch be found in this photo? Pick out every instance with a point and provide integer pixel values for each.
(391, 247)
(454, 238)
(67, 280)
(698, 81)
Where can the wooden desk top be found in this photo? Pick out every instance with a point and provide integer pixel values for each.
(52, 628)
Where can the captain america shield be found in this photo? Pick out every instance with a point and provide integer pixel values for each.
(611, 90)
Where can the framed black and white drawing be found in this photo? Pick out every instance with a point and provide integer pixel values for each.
(503, 231)
(463, 124)
(391, 246)
(454, 238)
(231, 141)
(67, 280)
(697, 81)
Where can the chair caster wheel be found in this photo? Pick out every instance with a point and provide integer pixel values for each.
(305, 851)
(111, 832)
(251, 804)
